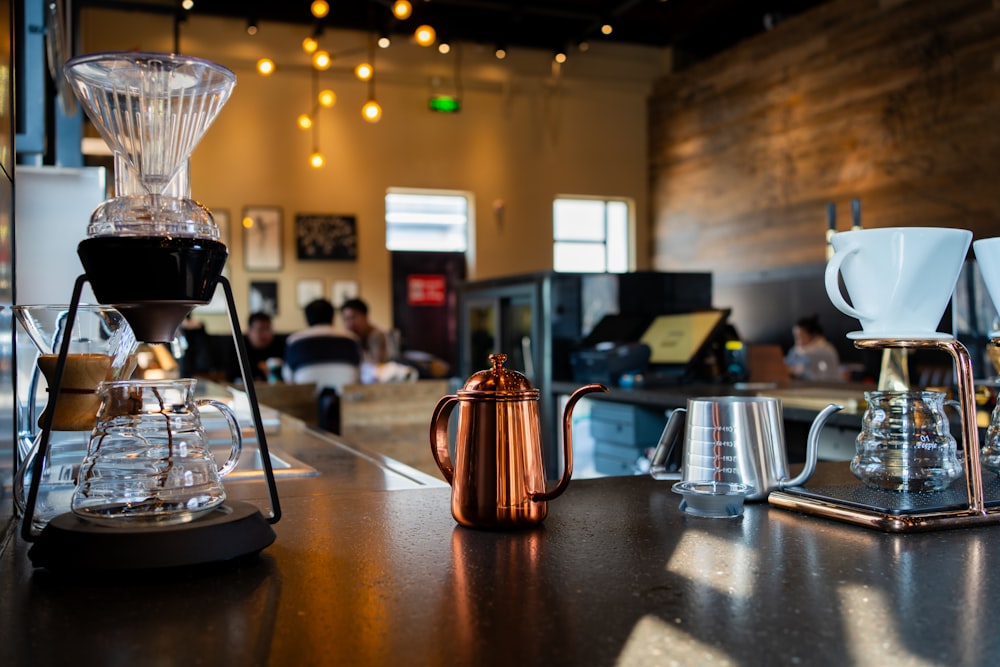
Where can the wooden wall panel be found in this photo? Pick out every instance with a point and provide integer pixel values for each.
(894, 102)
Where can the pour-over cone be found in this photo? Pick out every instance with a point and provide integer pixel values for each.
(152, 109)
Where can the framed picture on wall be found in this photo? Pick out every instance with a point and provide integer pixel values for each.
(326, 236)
(264, 297)
(262, 235)
(308, 290)
(342, 290)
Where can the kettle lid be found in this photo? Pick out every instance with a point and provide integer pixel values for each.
(499, 379)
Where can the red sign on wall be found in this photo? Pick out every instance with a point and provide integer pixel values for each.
(425, 290)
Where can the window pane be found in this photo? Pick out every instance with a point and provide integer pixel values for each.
(617, 242)
(578, 220)
(579, 257)
(415, 221)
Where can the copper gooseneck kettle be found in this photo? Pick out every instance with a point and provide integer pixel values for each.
(498, 476)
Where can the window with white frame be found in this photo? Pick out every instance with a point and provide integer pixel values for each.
(427, 220)
(591, 235)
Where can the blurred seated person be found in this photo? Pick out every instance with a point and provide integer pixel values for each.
(812, 357)
(374, 342)
(261, 344)
(321, 353)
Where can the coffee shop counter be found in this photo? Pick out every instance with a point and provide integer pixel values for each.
(369, 568)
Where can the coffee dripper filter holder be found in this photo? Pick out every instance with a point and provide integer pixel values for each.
(148, 460)
(735, 440)
(151, 250)
(497, 474)
(899, 279)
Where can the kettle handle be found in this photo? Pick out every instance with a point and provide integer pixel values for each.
(439, 436)
(567, 442)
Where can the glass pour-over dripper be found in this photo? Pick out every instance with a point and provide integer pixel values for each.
(101, 347)
(151, 250)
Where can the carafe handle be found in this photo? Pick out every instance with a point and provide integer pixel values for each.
(439, 435)
(235, 432)
(666, 444)
(833, 286)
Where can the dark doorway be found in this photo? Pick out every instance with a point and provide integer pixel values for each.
(424, 301)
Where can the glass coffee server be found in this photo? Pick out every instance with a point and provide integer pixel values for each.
(152, 253)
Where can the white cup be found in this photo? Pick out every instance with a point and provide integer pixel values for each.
(988, 257)
(899, 279)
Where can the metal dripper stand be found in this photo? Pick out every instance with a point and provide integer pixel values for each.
(154, 254)
(899, 512)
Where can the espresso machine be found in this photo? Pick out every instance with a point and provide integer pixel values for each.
(152, 253)
(900, 281)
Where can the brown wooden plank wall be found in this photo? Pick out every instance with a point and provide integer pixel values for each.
(896, 102)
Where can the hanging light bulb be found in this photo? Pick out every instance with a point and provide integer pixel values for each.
(402, 9)
(384, 42)
(305, 121)
(319, 8)
(364, 71)
(187, 4)
(371, 111)
(500, 53)
(251, 26)
(316, 160)
(309, 44)
(321, 60)
(444, 47)
(425, 35)
(326, 98)
(560, 56)
(265, 67)
(607, 29)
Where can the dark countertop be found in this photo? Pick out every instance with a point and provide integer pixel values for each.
(617, 575)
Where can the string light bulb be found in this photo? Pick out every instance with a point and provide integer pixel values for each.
(402, 9)
(371, 111)
(321, 60)
(309, 44)
(364, 71)
(326, 98)
(316, 160)
(265, 67)
(305, 121)
(607, 29)
(384, 42)
(560, 57)
(425, 35)
(444, 47)
(319, 8)
(500, 53)
(187, 4)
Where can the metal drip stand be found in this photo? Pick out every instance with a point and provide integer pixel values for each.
(899, 512)
(235, 530)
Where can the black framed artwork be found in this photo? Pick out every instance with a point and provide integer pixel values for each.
(326, 237)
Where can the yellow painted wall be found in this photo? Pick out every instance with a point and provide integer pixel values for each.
(525, 135)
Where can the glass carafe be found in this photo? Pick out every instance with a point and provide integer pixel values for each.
(148, 460)
(101, 347)
(905, 443)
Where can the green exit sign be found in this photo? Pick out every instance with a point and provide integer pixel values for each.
(445, 104)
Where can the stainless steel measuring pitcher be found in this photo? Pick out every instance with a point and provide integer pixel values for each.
(736, 439)
(148, 459)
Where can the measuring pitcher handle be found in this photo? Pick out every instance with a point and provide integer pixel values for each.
(666, 444)
(833, 286)
(234, 430)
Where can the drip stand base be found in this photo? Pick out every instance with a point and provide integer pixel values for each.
(233, 531)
